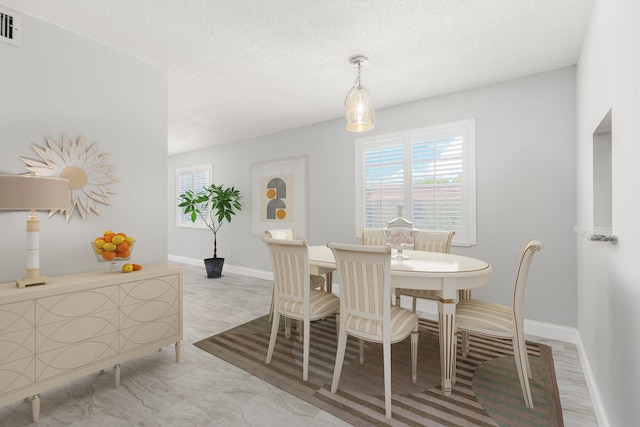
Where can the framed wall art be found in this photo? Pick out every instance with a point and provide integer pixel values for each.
(279, 196)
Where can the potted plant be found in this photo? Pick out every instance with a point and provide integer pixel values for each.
(213, 204)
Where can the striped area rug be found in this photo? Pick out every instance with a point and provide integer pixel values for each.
(487, 392)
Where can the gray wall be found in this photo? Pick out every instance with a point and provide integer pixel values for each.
(526, 185)
(608, 285)
(58, 83)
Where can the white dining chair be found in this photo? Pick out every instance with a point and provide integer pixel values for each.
(366, 311)
(293, 296)
(430, 241)
(501, 321)
(289, 234)
(373, 237)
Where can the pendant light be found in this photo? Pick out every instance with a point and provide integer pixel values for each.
(359, 112)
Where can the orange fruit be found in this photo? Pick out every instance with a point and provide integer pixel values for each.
(108, 255)
(108, 237)
(122, 234)
(137, 267)
(123, 254)
(124, 246)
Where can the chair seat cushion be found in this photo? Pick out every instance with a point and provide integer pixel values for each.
(403, 322)
(316, 281)
(476, 315)
(321, 304)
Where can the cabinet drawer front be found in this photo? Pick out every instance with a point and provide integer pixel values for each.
(147, 290)
(73, 305)
(16, 374)
(17, 316)
(148, 311)
(75, 329)
(16, 345)
(66, 359)
(149, 332)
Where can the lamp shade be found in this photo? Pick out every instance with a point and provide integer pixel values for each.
(359, 111)
(28, 192)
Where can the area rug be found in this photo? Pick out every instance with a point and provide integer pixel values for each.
(487, 391)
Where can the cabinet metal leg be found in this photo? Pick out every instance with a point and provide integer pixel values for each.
(178, 351)
(116, 375)
(35, 408)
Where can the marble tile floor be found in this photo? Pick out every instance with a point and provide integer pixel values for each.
(202, 390)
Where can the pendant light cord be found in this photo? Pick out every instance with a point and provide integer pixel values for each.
(355, 84)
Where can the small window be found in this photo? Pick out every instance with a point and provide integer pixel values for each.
(430, 172)
(191, 178)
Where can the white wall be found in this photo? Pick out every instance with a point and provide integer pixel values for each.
(608, 285)
(58, 83)
(525, 185)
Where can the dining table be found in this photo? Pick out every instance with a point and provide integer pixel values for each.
(444, 273)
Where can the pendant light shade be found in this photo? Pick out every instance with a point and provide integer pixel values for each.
(359, 112)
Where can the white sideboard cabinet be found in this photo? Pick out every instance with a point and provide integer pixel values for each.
(83, 323)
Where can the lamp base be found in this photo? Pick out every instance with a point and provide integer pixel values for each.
(31, 281)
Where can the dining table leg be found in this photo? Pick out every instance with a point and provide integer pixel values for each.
(447, 332)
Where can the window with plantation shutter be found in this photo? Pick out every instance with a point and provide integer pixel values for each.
(191, 178)
(430, 172)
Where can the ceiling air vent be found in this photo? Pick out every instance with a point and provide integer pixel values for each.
(9, 27)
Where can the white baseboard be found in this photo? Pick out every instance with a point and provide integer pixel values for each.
(429, 310)
(185, 260)
(596, 400)
(233, 269)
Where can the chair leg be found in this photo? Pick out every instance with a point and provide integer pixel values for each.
(299, 330)
(465, 343)
(464, 294)
(274, 334)
(305, 351)
(520, 353)
(287, 327)
(273, 295)
(414, 356)
(361, 347)
(398, 297)
(414, 304)
(454, 374)
(337, 324)
(337, 370)
(386, 348)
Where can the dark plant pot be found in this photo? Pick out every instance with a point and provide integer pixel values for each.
(214, 267)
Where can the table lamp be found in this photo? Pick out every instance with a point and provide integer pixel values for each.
(33, 193)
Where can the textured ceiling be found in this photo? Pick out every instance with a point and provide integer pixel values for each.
(243, 68)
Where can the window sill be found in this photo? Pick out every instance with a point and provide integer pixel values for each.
(596, 234)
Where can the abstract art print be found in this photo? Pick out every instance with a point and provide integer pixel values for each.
(279, 196)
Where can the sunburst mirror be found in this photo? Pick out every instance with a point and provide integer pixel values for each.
(89, 177)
